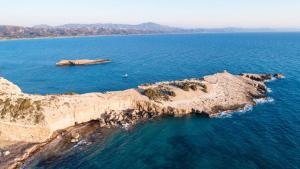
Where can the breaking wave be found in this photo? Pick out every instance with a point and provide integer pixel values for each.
(264, 100)
(126, 126)
(271, 80)
(81, 143)
(229, 114)
(247, 108)
(269, 90)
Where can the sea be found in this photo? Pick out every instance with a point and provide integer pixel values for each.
(266, 136)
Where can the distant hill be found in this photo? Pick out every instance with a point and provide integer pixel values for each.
(144, 27)
(40, 31)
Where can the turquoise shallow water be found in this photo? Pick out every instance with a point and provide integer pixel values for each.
(266, 137)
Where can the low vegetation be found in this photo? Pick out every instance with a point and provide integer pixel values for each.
(187, 85)
(194, 87)
(204, 88)
(159, 93)
(70, 93)
(21, 109)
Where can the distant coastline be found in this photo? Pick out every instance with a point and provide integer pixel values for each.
(83, 36)
(119, 35)
(8, 32)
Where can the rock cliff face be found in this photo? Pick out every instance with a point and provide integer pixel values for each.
(34, 118)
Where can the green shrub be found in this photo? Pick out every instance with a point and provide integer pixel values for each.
(151, 94)
(7, 102)
(185, 87)
(22, 109)
(38, 118)
(159, 94)
(205, 88)
(70, 93)
(172, 93)
(25, 104)
(194, 87)
(38, 105)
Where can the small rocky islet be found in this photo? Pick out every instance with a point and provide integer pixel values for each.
(81, 62)
(40, 118)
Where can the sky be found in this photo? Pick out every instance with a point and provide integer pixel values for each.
(181, 13)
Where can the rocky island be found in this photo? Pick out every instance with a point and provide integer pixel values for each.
(37, 118)
(81, 62)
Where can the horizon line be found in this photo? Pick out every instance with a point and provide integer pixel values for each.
(169, 25)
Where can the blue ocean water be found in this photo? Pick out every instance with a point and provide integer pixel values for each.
(268, 136)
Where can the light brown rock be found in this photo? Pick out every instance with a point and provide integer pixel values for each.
(81, 62)
(35, 118)
(6, 153)
(279, 76)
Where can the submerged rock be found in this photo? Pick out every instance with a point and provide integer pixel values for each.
(81, 62)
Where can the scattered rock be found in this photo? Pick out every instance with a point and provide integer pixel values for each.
(257, 77)
(74, 140)
(75, 137)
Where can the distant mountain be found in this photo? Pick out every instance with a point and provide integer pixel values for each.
(144, 26)
(40, 31)
(43, 26)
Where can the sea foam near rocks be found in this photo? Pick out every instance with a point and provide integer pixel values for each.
(264, 100)
(269, 90)
(246, 109)
(271, 80)
(229, 114)
(126, 126)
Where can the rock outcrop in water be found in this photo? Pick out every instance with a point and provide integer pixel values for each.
(81, 62)
(279, 76)
(34, 118)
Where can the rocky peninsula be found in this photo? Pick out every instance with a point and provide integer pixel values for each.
(37, 118)
(81, 62)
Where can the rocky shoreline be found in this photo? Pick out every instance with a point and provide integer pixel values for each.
(22, 155)
(38, 120)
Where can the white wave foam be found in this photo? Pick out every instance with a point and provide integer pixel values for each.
(264, 100)
(126, 126)
(246, 109)
(229, 114)
(269, 90)
(272, 79)
(80, 143)
(224, 115)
